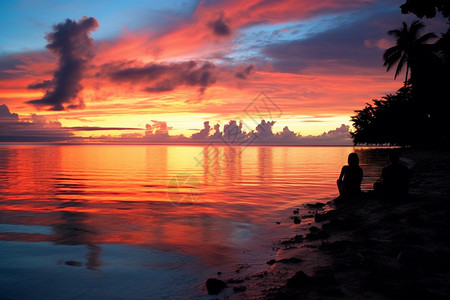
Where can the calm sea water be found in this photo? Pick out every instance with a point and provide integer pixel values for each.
(155, 221)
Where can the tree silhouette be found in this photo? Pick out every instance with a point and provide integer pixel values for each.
(409, 48)
(387, 120)
(428, 8)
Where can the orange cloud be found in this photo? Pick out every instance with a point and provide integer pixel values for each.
(317, 92)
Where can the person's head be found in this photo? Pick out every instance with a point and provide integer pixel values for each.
(353, 159)
(394, 156)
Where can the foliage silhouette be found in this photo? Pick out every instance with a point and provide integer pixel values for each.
(409, 48)
(417, 113)
(426, 8)
(385, 121)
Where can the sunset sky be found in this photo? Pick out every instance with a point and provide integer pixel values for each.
(132, 64)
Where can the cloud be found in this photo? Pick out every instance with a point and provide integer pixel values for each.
(233, 134)
(264, 129)
(39, 130)
(220, 26)
(382, 44)
(355, 41)
(202, 134)
(13, 129)
(71, 43)
(97, 128)
(6, 115)
(46, 84)
(163, 77)
(245, 73)
(10, 67)
(158, 129)
(338, 136)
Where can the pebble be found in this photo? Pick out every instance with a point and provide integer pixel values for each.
(214, 286)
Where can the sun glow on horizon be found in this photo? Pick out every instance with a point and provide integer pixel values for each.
(197, 62)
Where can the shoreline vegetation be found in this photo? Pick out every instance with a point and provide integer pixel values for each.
(367, 248)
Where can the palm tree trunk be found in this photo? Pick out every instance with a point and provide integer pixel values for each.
(406, 76)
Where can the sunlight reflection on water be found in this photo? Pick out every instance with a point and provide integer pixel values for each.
(109, 209)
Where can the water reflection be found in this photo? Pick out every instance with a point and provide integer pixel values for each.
(265, 165)
(97, 196)
(6, 156)
(372, 160)
(73, 230)
(210, 160)
(74, 227)
(233, 165)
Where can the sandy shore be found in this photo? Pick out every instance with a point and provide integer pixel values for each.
(367, 249)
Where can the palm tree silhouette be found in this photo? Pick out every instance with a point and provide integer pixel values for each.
(408, 49)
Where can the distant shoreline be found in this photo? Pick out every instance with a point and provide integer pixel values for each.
(187, 144)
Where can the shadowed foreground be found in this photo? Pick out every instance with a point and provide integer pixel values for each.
(368, 248)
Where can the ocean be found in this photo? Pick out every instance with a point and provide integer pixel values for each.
(153, 221)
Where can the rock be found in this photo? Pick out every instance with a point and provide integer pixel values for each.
(314, 229)
(261, 275)
(278, 223)
(317, 235)
(300, 279)
(317, 205)
(320, 218)
(214, 286)
(297, 220)
(234, 281)
(239, 289)
(326, 216)
(295, 240)
(295, 212)
(73, 263)
(292, 260)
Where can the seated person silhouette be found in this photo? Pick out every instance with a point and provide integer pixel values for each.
(349, 182)
(394, 179)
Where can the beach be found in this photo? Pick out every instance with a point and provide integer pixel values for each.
(367, 249)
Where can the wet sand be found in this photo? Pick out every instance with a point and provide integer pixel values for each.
(369, 248)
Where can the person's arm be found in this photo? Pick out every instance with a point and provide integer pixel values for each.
(342, 173)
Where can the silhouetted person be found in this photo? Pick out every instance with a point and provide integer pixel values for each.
(349, 182)
(394, 181)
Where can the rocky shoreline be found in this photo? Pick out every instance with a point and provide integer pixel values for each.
(368, 248)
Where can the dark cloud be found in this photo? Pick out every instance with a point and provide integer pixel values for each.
(345, 46)
(220, 26)
(9, 66)
(6, 115)
(264, 134)
(46, 84)
(233, 131)
(39, 130)
(264, 129)
(245, 73)
(204, 133)
(71, 43)
(233, 134)
(164, 77)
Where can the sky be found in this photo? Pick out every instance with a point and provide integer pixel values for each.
(131, 69)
